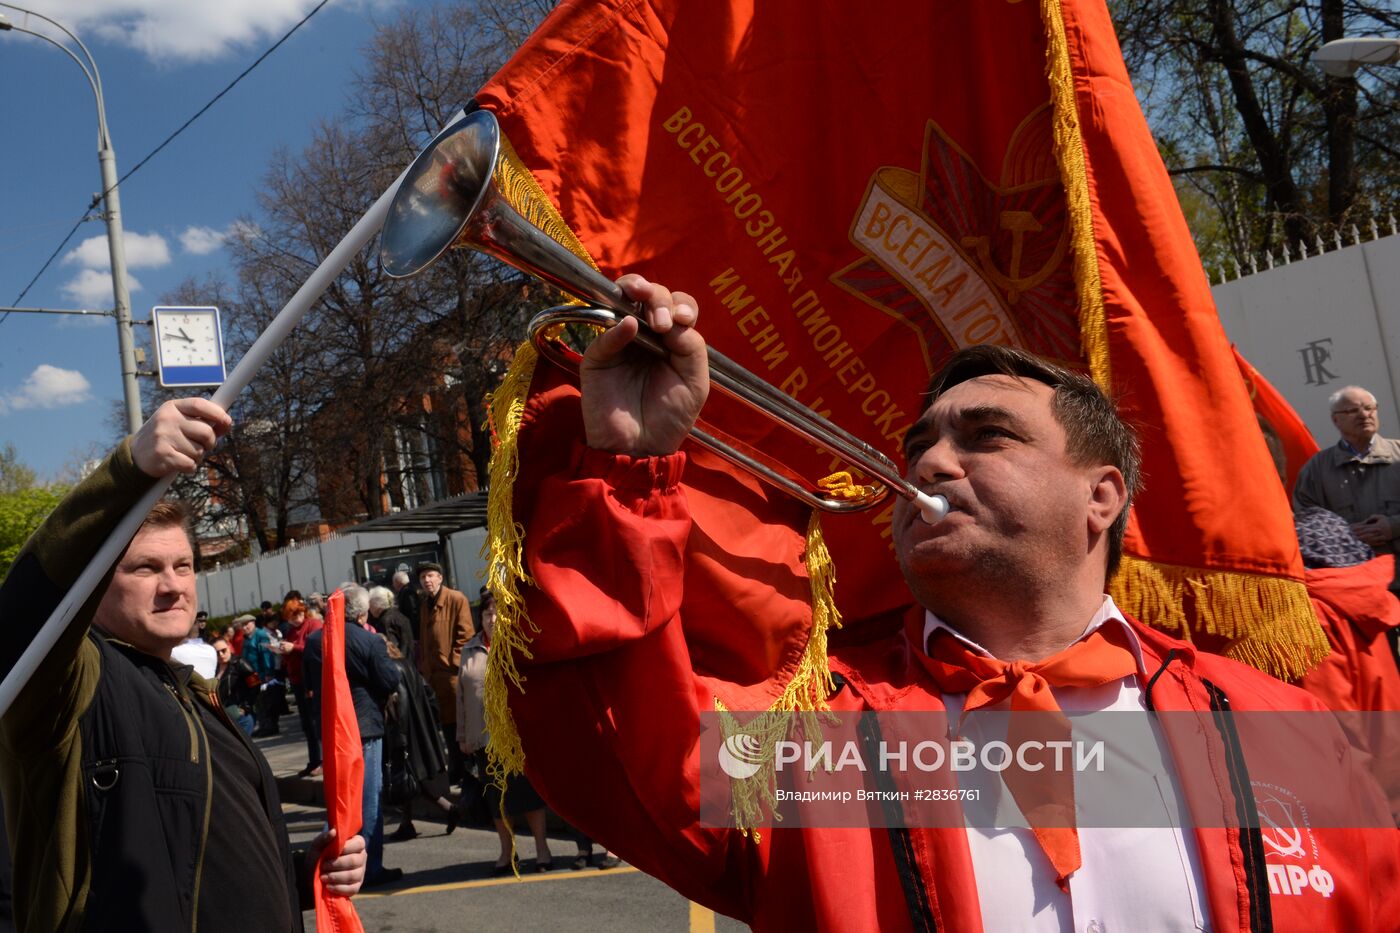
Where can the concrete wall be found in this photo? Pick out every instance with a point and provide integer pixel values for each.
(464, 557)
(1318, 324)
(314, 566)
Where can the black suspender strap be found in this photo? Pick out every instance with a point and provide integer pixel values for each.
(1261, 916)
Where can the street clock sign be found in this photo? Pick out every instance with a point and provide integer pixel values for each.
(189, 346)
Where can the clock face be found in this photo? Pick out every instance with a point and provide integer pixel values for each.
(189, 346)
(189, 339)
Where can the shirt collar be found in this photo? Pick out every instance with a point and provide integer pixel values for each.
(1347, 446)
(1107, 612)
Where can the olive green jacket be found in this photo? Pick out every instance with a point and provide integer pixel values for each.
(40, 762)
(105, 764)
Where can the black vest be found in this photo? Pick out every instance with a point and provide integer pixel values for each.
(147, 781)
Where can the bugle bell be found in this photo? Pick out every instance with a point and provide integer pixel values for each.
(463, 192)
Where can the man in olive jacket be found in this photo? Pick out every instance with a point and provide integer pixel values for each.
(130, 797)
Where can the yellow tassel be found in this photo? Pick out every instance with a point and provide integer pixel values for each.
(812, 682)
(805, 694)
(504, 547)
(505, 573)
(1074, 173)
(1267, 621)
(522, 192)
(750, 797)
(843, 486)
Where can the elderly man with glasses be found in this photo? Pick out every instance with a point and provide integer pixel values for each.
(1359, 476)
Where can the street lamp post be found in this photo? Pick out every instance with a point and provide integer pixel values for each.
(1342, 57)
(116, 245)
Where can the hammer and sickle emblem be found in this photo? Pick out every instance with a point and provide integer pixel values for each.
(1019, 223)
(1279, 831)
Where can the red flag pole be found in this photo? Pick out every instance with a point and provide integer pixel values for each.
(344, 764)
(1269, 404)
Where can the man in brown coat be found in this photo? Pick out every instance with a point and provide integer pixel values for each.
(444, 626)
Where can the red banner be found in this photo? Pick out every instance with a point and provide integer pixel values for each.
(853, 194)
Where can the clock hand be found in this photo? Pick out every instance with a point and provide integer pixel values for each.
(187, 337)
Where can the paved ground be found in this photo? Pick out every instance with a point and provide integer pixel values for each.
(448, 883)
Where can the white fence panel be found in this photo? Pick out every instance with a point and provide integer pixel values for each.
(247, 591)
(468, 567)
(216, 594)
(273, 577)
(1318, 324)
(338, 557)
(305, 568)
(221, 595)
(317, 566)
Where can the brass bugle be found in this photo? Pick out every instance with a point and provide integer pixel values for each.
(462, 192)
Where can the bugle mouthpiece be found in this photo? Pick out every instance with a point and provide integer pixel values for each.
(932, 509)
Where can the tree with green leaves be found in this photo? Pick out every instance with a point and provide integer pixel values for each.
(1265, 148)
(23, 505)
(14, 475)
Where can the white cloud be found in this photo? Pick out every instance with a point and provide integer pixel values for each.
(201, 241)
(244, 230)
(143, 251)
(186, 30)
(48, 387)
(92, 288)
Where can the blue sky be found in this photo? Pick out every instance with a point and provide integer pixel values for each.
(161, 60)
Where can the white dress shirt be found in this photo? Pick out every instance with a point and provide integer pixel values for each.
(1131, 878)
(199, 655)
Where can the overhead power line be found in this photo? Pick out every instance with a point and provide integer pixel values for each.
(97, 199)
(47, 262)
(215, 99)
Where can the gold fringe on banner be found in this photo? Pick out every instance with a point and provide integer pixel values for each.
(504, 548)
(749, 797)
(522, 192)
(805, 694)
(507, 576)
(504, 551)
(1074, 173)
(811, 683)
(1267, 622)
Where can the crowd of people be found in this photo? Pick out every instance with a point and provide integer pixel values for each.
(128, 754)
(416, 661)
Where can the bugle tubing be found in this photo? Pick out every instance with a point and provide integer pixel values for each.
(462, 193)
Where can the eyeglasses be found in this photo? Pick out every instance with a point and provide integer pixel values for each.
(1362, 410)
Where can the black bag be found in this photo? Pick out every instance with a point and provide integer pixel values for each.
(400, 783)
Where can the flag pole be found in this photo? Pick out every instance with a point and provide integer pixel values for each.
(269, 340)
